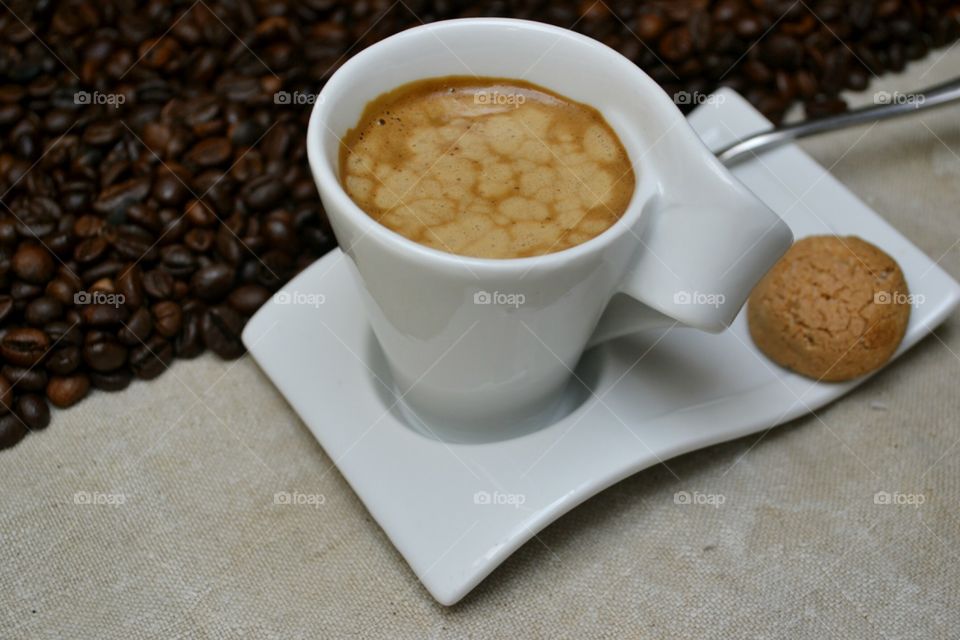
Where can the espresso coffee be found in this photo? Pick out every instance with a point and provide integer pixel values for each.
(486, 167)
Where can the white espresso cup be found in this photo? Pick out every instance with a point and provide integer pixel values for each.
(490, 343)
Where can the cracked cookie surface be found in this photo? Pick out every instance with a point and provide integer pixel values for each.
(833, 308)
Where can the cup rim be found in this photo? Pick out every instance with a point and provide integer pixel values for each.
(325, 173)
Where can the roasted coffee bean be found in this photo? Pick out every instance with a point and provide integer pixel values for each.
(212, 282)
(105, 355)
(150, 360)
(167, 318)
(60, 243)
(273, 268)
(27, 144)
(201, 213)
(116, 198)
(144, 216)
(158, 284)
(169, 188)
(58, 121)
(42, 310)
(749, 26)
(180, 289)
(133, 243)
(280, 233)
(25, 378)
(228, 245)
(857, 80)
(6, 306)
(277, 141)
(102, 314)
(33, 410)
(102, 133)
(99, 278)
(12, 430)
(650, 25)
(178, 260)
(248, 298)
(65, 391)
(10, 113)
(6, 395)
(111, 380)
(33, 263)
(64, 333)
(199, 240)
(90, 249)
(210, 152)
(24, 346)
(130, 286)
(783, 51)
(676, 44)
(63, 360)
(61, 290)
(263, 193)
(160, 53)
(174, 226)
(21, 291)
(189, 342)
(137, 329)
(222, 327)
(8, 232)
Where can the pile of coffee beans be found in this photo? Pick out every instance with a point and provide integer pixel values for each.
(778, 52)
(154, 189)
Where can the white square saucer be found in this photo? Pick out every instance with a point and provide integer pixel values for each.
(456, 510)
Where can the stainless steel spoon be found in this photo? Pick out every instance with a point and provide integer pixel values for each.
(899, 104)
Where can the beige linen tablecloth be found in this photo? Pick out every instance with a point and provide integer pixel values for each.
(183, 538)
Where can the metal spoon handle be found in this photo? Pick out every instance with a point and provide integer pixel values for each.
(900, 104)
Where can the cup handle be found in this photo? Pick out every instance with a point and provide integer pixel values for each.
(699, 256)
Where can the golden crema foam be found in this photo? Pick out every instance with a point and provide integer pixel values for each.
(486, 167)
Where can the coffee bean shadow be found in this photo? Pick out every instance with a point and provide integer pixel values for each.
(656, 484)
(578, 392)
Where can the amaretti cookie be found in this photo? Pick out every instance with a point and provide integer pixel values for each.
(833, 308)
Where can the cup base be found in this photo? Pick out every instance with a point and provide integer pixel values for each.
(494, 427)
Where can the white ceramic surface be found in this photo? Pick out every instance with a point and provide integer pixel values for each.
(451, 508)
(692, 254)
